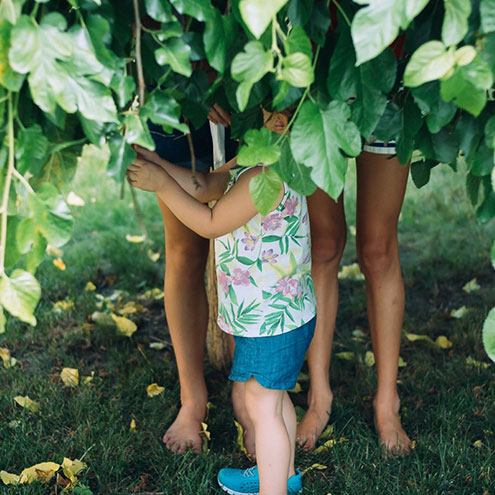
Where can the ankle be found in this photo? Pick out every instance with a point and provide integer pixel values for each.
(319, 397)
(385, 405)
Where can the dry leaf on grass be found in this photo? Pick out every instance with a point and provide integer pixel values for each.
(27, 403)
(205, 437)
(327, 432)
(44, 471)
(70, 377)
(135, 239)
(132, 426)
(153, 256)
(154, 389)
(297, 389)
(59, 263)
(8, 360)
(90, 286)
(240, 440)
(459, 313)
(471, 286)
(124, 325)
(351, 272)
(319, 467)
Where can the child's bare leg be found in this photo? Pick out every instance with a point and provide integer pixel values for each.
(328, 233)
(273, 443)
(186, 255)
(290, 420)
(378, 252)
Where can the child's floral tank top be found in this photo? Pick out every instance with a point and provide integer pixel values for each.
(264, 271)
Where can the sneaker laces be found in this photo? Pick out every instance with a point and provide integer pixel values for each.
(249, 473)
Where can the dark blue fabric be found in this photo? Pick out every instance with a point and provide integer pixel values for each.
(275, 362)
(175, 148)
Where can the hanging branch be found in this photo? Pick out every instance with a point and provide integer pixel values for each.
(139, 61)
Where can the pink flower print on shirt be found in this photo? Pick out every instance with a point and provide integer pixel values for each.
(272, 221)
(250, 241)
(290, 207)
(240, 277)
(222, 323)
(269, 256)
(223, 281)
(289, 287)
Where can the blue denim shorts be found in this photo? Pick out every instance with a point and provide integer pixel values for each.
(275, 362)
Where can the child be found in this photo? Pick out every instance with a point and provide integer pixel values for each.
(266, 299)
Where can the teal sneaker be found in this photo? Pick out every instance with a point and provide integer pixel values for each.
(247, 482)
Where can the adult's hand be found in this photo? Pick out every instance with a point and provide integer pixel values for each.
(218, 115)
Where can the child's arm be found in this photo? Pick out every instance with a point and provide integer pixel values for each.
(232, 210)
(202, 186)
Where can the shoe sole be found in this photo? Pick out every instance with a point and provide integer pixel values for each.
(232, 492)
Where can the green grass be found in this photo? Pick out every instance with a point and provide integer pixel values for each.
(447, 404)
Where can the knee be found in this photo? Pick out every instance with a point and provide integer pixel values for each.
(186, 257)
(327, 250)
(377, 255)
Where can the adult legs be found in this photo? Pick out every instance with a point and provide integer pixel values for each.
(328, 235)
(186, 308)
(381, 185)
(274, 420)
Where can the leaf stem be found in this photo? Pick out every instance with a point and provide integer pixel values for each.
(69, 144)
(23, 180)
(341, 10)
(8, 180)
(139, 62)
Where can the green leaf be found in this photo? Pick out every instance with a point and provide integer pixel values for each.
(122, 155)
(9, 78)
(100, 33)
(486, 210)
(487, 15)
(431, 61)
(441, 147)
(319, 22)
(258, 149)
(218, 35)
(455, 22)
(375, 26)
(390, 123)
(481, 161)
(411, 124)
(299, 12)
(298, 41)
(492, 254)
(467, 133)
(94, 130)
(51, 215)
(258, 14)
(318, 136)
(159, 10)
(3, 320)
(25, 234)
(490, 132)
(162, 109)
(297, 70)
(467, 86)
(439, 112)
(175, 52)
(295, 175)
(20, 294)
(37, 254)
(201, 10)
(472, 188)
(243, 121)
(251, 64)
(420, 172)
(11, 10)
(265, 189)
(31, 150)
(489, 334)
(123, 86)
(137, 132)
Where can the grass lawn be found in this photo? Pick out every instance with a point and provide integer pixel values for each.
(448, 395)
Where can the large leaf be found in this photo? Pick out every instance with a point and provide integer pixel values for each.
(411, 123)
(298, 41)
(487, 15)
(121, 156)
(299, 11)
(297, 70)
(375, 26)
(242, 122)
(9, 78)
(19, 295)
(258, 149)
(175, 52)
(467, 86)
(137, 132)
(162, 109)
(455, 22)
(429, 62)
(318, 136)
(258, 14)
(467, 133)
(319, 22)
(51, 215)
(295, 175)
(264, 189)
(218, 35)
(31, 150)
(489, 334)
(159, 10)
(201, 10)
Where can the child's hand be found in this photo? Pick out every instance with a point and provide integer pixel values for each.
(147, 155)
(146, 175)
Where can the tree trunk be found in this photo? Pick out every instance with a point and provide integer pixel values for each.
(217, 341)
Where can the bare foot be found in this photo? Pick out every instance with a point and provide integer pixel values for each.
(243, 418)
(314, 421)
(393, 438)
(183, 433)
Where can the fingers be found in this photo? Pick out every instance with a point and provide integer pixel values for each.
(218, 115)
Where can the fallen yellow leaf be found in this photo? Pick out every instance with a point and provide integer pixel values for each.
(136, 239)
(154, 389)
(102, 318)
(70, 377)
(158, 346)
(352, 230)
(297, 389)
(153, 256)
(443, 342)
(413, 337)
(27, 403)
(124, 325)
(351, 272)
(53, 251)
(470, 361)
(132, 426)
(9, 478)
(205, 437)
(325, 447)
(478, 444)
(319, 467)
(327, 432)
(471, 286)
(369, 359)
(87, 379)
(413, 444)
(153, 294)
(8, 360)
(43, 471)
(402, 363)
(74, 200)
(358, 333)
(72, 469)
(240, 440)
(348, 356)
(459, 313)
(90, 286)
(65, 305)
(59, 263)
